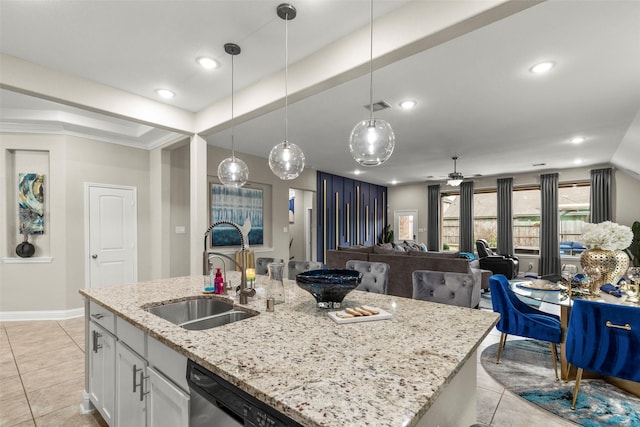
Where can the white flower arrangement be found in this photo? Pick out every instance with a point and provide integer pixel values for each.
(606, 235)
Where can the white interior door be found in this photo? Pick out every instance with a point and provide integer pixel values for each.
(112, 235)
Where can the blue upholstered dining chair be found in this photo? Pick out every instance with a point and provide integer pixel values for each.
(517, 318)
(603, 338)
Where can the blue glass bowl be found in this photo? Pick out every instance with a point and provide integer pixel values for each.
(329, 286)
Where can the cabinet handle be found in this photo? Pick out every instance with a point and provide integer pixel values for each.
(142, 392)
(135, 371)
(96, 345)
(97, 316)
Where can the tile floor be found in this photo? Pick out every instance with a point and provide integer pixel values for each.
(42, 377)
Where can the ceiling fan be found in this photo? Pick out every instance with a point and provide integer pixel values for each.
(453, 179)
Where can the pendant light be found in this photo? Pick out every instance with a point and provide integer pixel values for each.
(232, 171)
(372, 140)
(455, 178)
(286, 159)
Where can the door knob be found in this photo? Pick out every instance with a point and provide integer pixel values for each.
(94, 256)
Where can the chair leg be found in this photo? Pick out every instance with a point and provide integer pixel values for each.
(554, 355)
(503, 340)
(576, 389)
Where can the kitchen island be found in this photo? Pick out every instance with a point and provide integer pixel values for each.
(417, 368)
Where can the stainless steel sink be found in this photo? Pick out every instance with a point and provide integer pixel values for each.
(191, 309)
(217, 320)
(199, 313)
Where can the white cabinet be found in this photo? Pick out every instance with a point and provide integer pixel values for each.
(102, 366)
(131, 389)
(168, 404)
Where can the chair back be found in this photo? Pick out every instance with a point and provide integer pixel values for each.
(517, 318)
(261, 264)
(605, 338)
(297, 267)
(375, 275)
(483, 249)
(445, 288)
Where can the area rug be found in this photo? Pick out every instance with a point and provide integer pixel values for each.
(526, 369)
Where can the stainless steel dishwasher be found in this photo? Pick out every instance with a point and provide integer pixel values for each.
(216, 402)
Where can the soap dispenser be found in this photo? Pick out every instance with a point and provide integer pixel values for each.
(218, 282)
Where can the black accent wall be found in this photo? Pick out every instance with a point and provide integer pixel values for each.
(350, 212)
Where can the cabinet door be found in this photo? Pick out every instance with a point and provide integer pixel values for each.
(130, 391)
(168, 405)
(102, 371)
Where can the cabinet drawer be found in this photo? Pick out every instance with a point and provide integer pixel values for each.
(171, 363)
(102, 316)
(133, 337)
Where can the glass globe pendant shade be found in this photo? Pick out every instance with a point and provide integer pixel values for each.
(371, 142)
(286, 160)
(233, 172)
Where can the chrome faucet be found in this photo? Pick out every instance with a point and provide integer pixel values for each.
(245, 291)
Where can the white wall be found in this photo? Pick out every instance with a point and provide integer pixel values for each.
(54, 286)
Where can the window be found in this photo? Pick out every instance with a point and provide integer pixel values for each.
(573, 207)
(450, 233)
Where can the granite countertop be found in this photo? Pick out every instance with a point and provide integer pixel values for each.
(299, 361)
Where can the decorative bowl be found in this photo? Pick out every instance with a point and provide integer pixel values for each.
(329, 286)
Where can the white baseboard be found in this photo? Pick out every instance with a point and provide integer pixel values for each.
(12, 316)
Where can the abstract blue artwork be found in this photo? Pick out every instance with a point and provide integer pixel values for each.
(31, 203)
(242, 206)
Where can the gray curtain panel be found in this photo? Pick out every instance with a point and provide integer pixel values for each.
(601, 195)
(549, 240)
(505, 216)
(433, 221)
(466, 217)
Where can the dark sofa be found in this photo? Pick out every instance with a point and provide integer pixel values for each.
(403, 264)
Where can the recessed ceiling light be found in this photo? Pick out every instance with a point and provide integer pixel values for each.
(357, 172)
(577, 139)
(165, 93)
(394, 182)
(542, 67)
(577, 161)
(408, 104)
(207, 63)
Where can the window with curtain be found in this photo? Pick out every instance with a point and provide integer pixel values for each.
(573, 201)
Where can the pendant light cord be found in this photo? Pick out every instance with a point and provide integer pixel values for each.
(286, 79)
(233, 150)
(371, 60)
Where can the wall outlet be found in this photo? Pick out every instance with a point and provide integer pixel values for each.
(180, 229)
(530, 267)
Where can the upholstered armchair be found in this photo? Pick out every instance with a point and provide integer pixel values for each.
(507, 265)
(375, 275)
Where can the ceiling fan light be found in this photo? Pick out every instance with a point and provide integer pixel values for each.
(372, 142)
(233, 172)
(286, 160)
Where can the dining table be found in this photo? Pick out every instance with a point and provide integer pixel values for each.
(556, 298)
